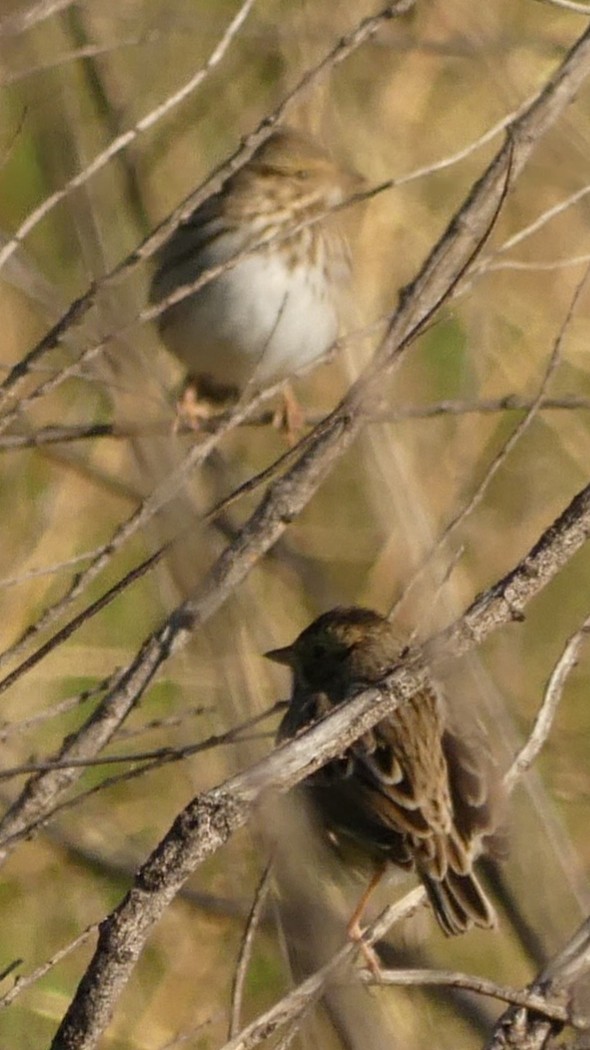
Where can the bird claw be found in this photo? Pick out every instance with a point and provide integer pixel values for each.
(202, 399)
(355, 934)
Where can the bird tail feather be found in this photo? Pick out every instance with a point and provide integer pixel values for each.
(459, 902)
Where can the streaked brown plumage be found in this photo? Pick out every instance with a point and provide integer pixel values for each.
(409, 791)
(279, 307)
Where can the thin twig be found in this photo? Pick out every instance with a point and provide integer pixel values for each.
(192, 1032)
(8, 729)
(298, 1001)
(84, 616)
(124, 140)
(77, 310)
(209, 820)
(22, 983)
(56, 435)
(287, 496)
(10, 968)
(20, 21)
(546, 714)
(538, 223)
(454, 158)
(169, 722)
(539, 265)
(152, 759)
(87, 51)
(245, 952)
(481, 985)
(501, 457)
(521, 1027)
(147, 509)
(569, 5)
(178, 755)
(50, 570)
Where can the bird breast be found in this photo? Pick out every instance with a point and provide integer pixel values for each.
(271, 314)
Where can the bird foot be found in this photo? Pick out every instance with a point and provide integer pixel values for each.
(202, 399)
(355, 934)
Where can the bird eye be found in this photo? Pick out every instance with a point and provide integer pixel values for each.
(302, 174)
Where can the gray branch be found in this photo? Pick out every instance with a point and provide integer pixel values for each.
(210, 819)
(322, 449)
(521, 1028)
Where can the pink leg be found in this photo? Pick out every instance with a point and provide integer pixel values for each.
(290, 416)
(354, 930)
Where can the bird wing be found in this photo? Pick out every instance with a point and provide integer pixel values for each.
(404, 759)
(187, 252)
(401, 771)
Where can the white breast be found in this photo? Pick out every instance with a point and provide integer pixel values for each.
(261, 320)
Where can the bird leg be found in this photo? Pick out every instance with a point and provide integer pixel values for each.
(353, 929)
(202, 398)
(289, 416)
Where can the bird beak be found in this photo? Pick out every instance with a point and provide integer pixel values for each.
(281, 656)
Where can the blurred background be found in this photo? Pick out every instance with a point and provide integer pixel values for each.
(423, 88)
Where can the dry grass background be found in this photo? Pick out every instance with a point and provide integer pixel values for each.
(422, 88)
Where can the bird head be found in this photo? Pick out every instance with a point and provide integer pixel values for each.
(340, 648)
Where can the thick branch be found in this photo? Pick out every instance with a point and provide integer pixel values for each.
(209, 820)
(324, 447)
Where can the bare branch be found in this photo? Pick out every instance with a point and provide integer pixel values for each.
(452, 979)
(541, 220)
(553, 693)
(345, 47)
(298, 1001)
(489, 406)
(210, 819)
(84, 616)
(148, 508)
(22, 983)
(124, 140)
(50, 570)
(56, 435)
(287, 496)
(8, 729)
(507, 599)
(569, 5)
(245, 953)
(20, 21)
(185, 1036)
(538, 266)
(154, 758)
(88, 51)
(522, 1029)
(501, 457)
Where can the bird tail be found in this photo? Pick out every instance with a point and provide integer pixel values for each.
(459, 902)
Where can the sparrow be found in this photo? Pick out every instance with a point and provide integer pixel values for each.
(277, 305)
(409, 792)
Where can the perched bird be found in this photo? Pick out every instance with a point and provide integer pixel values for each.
(409, 792)
(279, 307)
